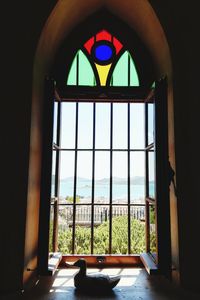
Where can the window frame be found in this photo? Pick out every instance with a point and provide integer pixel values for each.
(64, 96)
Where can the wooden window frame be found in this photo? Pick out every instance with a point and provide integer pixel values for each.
(70, 94)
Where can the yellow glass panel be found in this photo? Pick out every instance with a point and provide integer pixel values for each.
(103, 73)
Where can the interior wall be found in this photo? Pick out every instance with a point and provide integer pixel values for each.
(181, 25)
(20, 39)
(21, 30)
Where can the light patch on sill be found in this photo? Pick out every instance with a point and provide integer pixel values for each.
(65, 277)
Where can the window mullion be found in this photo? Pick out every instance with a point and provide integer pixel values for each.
(111, 179)
(128, 161)
(128, 168)
(56, 189)
(93, 179)
(75, 181)
(147, 227)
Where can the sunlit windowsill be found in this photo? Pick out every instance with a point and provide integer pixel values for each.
(59, 261)
(149, 264)
(53, 262)
(65, 277)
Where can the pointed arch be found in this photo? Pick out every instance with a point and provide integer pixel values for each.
(139, 15)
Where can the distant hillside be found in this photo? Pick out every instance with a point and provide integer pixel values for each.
(137, 180)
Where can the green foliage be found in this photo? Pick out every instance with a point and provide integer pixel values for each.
(152, 214)
(65, 241)
(152, 242)
(101, 238)
(51, 236)
(70, 199)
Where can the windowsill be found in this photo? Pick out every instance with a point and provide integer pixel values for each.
(149, 264)
(58, 260)
(105, 261)
(54, 261)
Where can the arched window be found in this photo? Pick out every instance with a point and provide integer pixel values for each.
(103, 148)
(103, 61)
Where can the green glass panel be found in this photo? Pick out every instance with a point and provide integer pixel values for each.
(153, 85)
(134, 81)
(71, 80)
(86, 74)
(120, 73)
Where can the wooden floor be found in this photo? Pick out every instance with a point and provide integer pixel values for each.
(135, 284)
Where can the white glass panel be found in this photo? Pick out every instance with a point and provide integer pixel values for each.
(137, 138)
(102, 126)
(102, 177)
(137, 177)
(119, 177)
(55, 122)
(85, 125)
(84, 176)
(53, 172)
(68, 121)
(66, 176)
(150, 123)
(152, 174)
(120, 133)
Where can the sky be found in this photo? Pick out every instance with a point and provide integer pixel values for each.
(102, 141)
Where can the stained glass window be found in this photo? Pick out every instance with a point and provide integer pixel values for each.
(103, 60)
(81, 72)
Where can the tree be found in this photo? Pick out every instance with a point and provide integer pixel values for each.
(70, 199)
(101, 238)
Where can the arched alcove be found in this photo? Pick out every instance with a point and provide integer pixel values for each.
(66, 15)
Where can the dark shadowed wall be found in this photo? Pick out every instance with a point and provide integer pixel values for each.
(21, 32)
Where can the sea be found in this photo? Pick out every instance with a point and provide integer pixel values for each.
(101, 189)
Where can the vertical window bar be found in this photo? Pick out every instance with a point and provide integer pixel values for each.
(93, 174)
(129, 200)
(56, 191)
(58, 151)
(128, 161)
(75, 161)
(147, 227)
(111, 179)
(75, 181)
